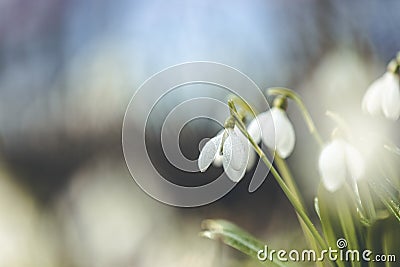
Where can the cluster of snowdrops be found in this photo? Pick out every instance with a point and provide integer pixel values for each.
(356, 200)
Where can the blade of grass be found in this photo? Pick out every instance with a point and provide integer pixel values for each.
(237, 238)
(339, 219)
(387, 195)
(288, 178)
(383, 238)
(289, 194)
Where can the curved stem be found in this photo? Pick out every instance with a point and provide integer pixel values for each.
(288, 178)
(243, 104)
(289, 194)
(296, 98)
(339, 121)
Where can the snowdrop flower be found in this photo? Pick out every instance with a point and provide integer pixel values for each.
(339, 161)
(218, 160)
(277, 131)
(383, 96)
(232, 148)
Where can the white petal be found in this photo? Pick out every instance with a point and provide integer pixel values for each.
(209, 151)
(235, 155)
(235, 151)
(284, 133)
(234, 175)
(355, 162)
(252, 155)
(332, 165)
(391, 97)
(254, 128)
(372, 100)
(252, 159)
(267, 129)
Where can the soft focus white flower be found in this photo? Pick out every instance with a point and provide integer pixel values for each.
(235, 153)
(276, 131)
(383, 96)
(338, 162)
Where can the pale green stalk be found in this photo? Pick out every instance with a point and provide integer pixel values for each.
(288, 178)
(289, 194)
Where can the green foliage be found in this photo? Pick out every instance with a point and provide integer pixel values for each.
(366, 213)
(339, 219)
(237, 238)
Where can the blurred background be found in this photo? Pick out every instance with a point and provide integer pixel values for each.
(67, 72)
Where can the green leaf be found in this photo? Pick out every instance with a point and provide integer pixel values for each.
(389, 196)
(237, 238)
(384, 238)
(291, 184)
(339, 219)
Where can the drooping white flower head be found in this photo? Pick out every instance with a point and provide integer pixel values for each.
(383, 97)
(218, 160)
(275, 130)
(340, 161)
(234, 151)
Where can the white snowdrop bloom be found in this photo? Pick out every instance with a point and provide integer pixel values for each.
(252, 154)
(383, 96)
(275, 130)
(235, 153)
(339, 161)
(218, 160)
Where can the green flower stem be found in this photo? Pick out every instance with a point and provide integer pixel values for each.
(307, 117)
(289, 194)
(243, 105)
(288, 178)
